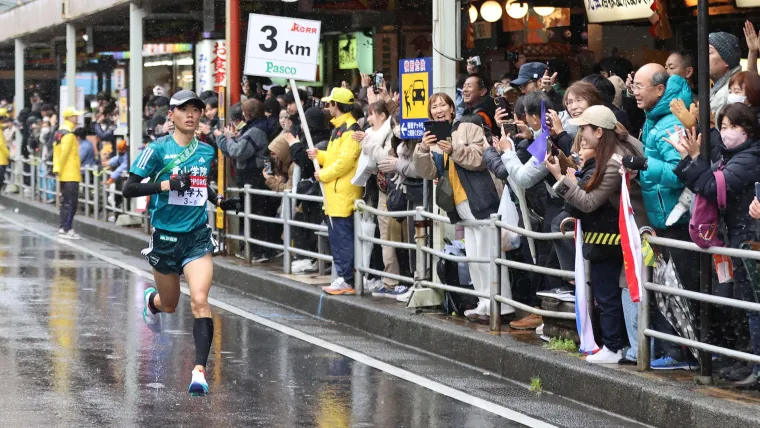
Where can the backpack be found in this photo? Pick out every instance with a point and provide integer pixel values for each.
(704, 225)
(456, 275)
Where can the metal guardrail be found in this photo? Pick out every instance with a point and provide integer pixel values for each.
(30, 176)
(644, 330)
(499, 265)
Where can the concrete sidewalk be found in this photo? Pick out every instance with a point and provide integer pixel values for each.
(648, 398)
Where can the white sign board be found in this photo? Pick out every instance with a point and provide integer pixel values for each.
(747, 3)
(282, 47)
(204, 67)
(617, 10)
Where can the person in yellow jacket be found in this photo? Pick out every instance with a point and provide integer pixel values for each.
(5, 153)
(339, 164)
(67, 167)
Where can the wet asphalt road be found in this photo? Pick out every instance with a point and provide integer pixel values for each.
(75, 353)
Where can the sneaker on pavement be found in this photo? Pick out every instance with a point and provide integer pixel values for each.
(531, 322)
(339, 287)
(390, 293)
(198, 386)
(669, 363)
(61, 232)
(540, 330)
(70, 235)
(406, 296)
(301, 266)
(479, 311)
(153, 321)
(605, 356)
(374, 284)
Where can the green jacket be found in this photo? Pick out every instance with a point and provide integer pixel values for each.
(659, 184)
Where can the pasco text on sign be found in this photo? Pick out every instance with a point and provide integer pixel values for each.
(282, 47)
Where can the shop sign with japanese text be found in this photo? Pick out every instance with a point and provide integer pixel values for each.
(414, 91)
(617, 10)
(282, 47)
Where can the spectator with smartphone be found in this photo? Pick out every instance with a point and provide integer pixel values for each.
(474, 194)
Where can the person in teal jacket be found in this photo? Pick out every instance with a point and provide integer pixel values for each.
(654, 90)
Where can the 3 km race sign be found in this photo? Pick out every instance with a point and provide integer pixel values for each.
(414, 90)
(282, 47)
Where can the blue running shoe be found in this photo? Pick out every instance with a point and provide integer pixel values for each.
(669, 363)
(153, 321)
(198, 386)
(391, 294)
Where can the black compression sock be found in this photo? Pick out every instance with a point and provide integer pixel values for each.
(151, 305)
(203, 333)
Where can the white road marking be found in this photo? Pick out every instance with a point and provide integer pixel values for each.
(406, 375)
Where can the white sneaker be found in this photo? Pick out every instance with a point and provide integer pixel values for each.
(373, 284)
(301, 266)
(339, 287)
(605, 356)
(198, 385)
(482, 309)
(61, 231)
(70, 235)
(406, 296)
(540, 330)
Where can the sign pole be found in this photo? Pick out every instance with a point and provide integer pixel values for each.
(305, 128)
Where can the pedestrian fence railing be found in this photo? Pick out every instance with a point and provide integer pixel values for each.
(703, 296)
(31, 178)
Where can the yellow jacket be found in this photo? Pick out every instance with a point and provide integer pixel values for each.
(339, 164)
(5, 153)
(66, 162)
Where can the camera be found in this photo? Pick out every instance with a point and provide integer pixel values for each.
(513, 56)
(474, 61)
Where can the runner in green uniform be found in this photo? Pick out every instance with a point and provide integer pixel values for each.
(174, 170)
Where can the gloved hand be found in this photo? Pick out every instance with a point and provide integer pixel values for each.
(180, 183)
(229, 204)
(635, 163)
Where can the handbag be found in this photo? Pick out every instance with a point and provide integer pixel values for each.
(414, 193)
(444, 192)
(704, 226)
(397, 200)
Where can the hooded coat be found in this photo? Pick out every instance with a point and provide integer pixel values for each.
(282, 167)
(659, 184)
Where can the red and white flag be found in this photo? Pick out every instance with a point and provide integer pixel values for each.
(630, 239)
(582, 318)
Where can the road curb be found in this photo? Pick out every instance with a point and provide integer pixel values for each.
(649, 400)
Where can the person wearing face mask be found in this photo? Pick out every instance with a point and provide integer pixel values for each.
(740, 161)
(596, 203)
(475, 195)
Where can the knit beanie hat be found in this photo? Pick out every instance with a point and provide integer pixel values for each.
(727, 46)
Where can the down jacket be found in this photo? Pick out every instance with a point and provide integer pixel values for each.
(659, 184)
(339, 164)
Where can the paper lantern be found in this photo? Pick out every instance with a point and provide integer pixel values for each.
(490, 11)
(543, 10)
(473, 14)
(517, 10)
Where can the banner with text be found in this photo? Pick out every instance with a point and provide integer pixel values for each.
(282, 47)
(617, 10)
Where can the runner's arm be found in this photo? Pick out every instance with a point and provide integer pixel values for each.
(133, 188)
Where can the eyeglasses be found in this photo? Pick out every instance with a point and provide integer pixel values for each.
(637, 87)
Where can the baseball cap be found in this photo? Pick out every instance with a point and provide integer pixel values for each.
(186, 96)
(290, 98)
(71, 111)
(528, 72)
(599, 116)
(340, 95)
(268, 87)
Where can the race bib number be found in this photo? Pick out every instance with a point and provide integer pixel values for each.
(195, 197)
